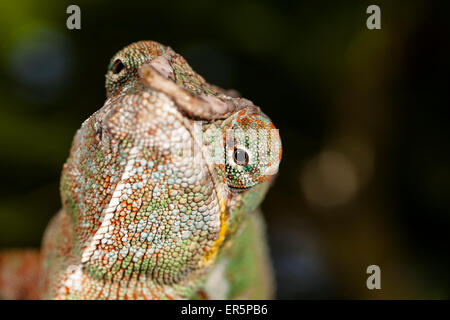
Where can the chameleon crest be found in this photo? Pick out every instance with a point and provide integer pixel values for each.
(158, 185)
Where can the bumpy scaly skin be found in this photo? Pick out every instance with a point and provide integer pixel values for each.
(161, 188)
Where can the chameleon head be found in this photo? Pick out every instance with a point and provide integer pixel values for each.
(154, 193)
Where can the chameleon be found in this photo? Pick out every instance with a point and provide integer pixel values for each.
(160, 193)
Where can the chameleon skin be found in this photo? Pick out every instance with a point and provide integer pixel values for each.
(19, 274)
(161, 189)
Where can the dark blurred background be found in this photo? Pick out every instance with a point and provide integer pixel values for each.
(363, 116)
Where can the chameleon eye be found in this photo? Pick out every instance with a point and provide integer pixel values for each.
(240, 157)
(117, 66)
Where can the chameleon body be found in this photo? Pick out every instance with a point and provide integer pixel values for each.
(161, 190)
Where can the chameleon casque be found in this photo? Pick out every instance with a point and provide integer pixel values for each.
(160, 193)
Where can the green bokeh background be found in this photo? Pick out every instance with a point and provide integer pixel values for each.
(363, 115)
